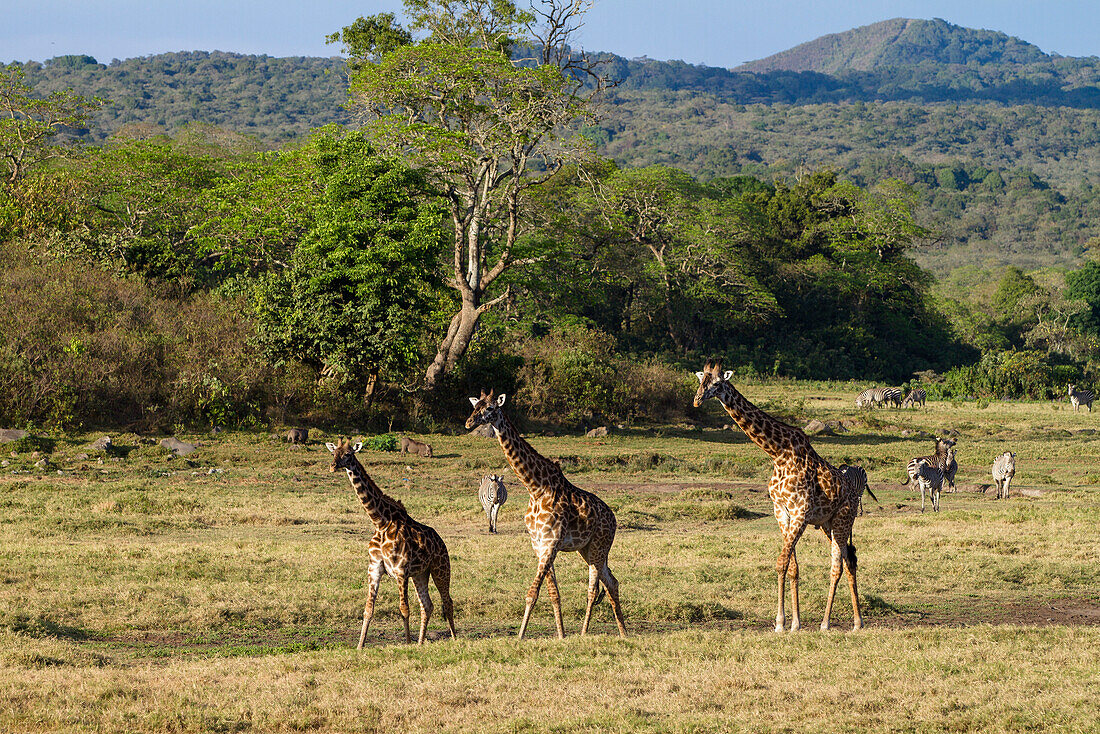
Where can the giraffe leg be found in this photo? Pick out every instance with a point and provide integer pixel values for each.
(555, 601)
(545, 565)
(792, 576)
(403, 591)
(850, 563)
(593, 587)
(441, 574)
(792, 531)
(612, 585)
(420, 581)
(375, 573)
(834, 579)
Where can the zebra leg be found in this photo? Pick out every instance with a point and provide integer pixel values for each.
(493, 518)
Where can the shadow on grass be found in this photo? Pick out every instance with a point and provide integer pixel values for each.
(39, 627)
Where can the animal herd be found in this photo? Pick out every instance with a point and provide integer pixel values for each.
(806, 491)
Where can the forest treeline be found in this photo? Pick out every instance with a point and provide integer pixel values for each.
(1044, 152)
(382, 271)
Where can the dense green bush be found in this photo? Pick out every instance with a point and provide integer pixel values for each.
(1008, 374)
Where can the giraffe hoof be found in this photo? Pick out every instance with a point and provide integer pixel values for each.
(779, 629)
(824, 627)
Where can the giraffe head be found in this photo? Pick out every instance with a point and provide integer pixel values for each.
(487, 409)
(709, 380)
(343, 453)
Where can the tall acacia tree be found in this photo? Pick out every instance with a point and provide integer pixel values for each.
(485, 120)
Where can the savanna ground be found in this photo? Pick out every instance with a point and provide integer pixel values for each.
(151, 593)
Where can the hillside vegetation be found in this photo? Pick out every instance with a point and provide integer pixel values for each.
(1001, 140)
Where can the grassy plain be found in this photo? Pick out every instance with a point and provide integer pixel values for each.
(223, 591)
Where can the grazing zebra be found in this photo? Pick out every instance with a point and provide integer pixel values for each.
(1004, 468)
(1077, 397)
(492, 495)
(891, 395)
(930, 479)
(940, 459)
(870, 397)
(857, 481)
(916, 395)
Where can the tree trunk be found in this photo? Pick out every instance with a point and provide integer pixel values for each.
(455, 344)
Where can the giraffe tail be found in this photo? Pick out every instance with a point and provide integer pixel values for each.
(850, 557)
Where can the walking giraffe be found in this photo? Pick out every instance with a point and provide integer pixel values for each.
(805, 490)
(560, 517)
(401, 547)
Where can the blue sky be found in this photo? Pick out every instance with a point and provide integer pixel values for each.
(713, 32)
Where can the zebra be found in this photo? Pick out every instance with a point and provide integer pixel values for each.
(1077, 397)
(870, 397)
(941, 460)
(891, 395)
(930, 479)
(1004, 468)
(916, 395)
(856, 477)
(950, 469)
(492, 494)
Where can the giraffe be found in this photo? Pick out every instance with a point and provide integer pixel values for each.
(560, 517)
(401, 547)
(805, 490)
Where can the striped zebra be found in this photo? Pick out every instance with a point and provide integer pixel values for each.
(916, 395)
(857, 482)
(940, 459)
(1004, 468)
(492, 495)
(930, 479)
(1079, 397)
(891, 395)
(869, 397)
(950, 469)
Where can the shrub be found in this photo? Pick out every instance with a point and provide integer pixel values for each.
(381, 442)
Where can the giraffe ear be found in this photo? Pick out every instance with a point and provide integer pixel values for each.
(473, 401)
(727, 375)
(700, 375)
(357, 446)
(331, 447)
(500, 400)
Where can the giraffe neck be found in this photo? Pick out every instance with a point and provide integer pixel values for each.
(381, 509)
(773, 436)
(530, 466)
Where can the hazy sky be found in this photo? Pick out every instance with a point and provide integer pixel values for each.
(713, 32)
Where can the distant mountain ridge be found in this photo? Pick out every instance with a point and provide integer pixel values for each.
(900, 42)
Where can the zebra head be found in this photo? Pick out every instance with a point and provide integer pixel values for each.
(486, 410)
(710, 381)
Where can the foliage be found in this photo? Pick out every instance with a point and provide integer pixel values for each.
(1009, 374)
(29, 124)
(381, 442)
(358, 290)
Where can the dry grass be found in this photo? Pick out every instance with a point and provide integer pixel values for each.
(149, 594)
